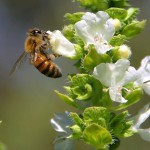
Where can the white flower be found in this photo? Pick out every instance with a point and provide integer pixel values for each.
(139, 119)
(144, 75)
(96, 29)
(60, 45)
(115, 76)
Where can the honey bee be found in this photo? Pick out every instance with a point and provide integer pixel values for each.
(36, 44)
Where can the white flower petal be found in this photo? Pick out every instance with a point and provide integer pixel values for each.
(146, 62)
(103, 73)
(81, 28)
(142, 116)
(144, 75)
(102, 48)
(146, 87)
(103, 15)
(144, 70)
(110, 28)
(60, 45)
(115, 94)
(130, 75)
(111, 74)
(90, 18)
(96, 29)
(120, 67)
(96, 22)
(114, 76)
(139, 119)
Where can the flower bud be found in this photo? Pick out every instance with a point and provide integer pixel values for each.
(124, 52)
(117, 24)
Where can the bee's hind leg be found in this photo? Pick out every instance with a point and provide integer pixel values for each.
(33, 57)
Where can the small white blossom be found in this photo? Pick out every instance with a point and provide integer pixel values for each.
(144, 75)
(96, 29)
(139, 119)
(60, 45)
(115, 76)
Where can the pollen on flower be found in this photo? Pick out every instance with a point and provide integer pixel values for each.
(98, 38)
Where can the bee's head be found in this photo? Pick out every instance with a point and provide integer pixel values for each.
(34, 32)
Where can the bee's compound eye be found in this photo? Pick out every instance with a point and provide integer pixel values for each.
(36, 32)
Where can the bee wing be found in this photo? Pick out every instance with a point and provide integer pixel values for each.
(21, 60)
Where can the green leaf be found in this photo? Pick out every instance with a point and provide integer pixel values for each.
(120, 126)
(132, 97)
(118, 40)
(133, 29)
(85, 87)
(114, 145)
(117, 123)
(131, 14)
(93, 59)
(66, 99)
(87, 92)
(76, 119)
(75, 17)
(118, 13)
(94, 5)
(79, 52)
(97, 136)
(127, 131)
(97, 93)
(105, 100)
(76, 132)
(98, 115)
(119, 3)
(81, 86)
(68, 32)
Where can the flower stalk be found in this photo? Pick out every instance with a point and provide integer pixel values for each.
(106, 82)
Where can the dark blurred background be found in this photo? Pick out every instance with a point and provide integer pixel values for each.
(28, 101)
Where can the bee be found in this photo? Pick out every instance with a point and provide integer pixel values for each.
(36, 44)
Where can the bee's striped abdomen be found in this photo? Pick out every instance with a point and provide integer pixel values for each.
(46, 66)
